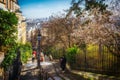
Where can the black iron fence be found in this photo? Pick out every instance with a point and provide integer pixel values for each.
(15, 69)
(98, 59)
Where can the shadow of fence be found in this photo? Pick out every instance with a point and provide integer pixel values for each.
(44, 75)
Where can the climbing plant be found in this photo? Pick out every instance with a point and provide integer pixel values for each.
(9, 57)
(8, 32)
(8, 29)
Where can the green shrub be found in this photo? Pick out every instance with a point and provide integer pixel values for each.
(71, 54)
(8, 36)
(56, 53)
(8, 29)
(9, 57)
(26, 52)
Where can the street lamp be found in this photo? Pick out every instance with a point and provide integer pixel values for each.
(38, 54)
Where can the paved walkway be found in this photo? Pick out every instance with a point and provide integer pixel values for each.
(82, 75)
(94, 76)
(30, 72)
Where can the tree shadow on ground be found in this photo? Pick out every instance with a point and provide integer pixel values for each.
(29, 75)
(73, 76)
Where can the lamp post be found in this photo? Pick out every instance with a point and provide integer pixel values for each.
(38, 54)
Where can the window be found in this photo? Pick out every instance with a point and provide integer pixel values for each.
(6, 3)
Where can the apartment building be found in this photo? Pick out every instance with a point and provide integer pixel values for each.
(12, 6)
(21, 28)
(9, 5)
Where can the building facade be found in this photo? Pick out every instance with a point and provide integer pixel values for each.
(12, 6)
(9, 5)
(21, 28)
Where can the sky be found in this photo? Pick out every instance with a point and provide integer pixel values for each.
(43, 8)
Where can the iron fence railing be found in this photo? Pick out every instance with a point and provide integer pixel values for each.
(102, 61)
(96, 58)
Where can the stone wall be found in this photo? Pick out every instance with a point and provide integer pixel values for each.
(1, 69)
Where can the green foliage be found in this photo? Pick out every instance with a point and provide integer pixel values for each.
(96, 4)
(9, 57)
(71, 54)
(83, 45)
(95, 60)
(77, 9)
(26, 51)
(87, 5)
(56, 53)
(92, 49)
(47, 50)
(8, 29)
